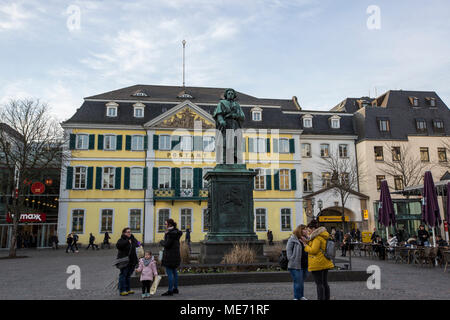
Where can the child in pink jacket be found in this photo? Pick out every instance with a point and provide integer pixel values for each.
(147, 267)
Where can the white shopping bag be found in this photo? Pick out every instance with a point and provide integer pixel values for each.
(155, 284)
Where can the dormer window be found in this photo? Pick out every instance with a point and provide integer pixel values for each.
(307, 121)
(256, 114)
(421, 125)
(111, 109)
(414, 101)
(431, 101)
(138, 110)
(438, 125)
(140, 93)
(335, 122)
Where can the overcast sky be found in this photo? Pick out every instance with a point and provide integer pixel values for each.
(320, 51)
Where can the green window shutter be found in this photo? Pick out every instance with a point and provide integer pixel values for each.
(91, 141)
(268, 179)
(198, 143)
(175, 142)
(144, 183)
(291, 145)
(73, 138)
(197, 180)
(126, 179)
(276, 180)
(250, 145)
(145, 142)
(69, 178)
(118, 178)
(155, 178)
(155, 142)
(98, 178)
(268, 145)
(293, 179)
(119, 142)
(90, 178)
(176, 181)
(127, 142)
(100, 142)
(275, 146)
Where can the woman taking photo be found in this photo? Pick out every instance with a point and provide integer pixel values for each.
(318, 265)
(298, 260)
(126, 246)
(171, 256)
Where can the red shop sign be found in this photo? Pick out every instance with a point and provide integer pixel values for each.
(445, 225)
(28, 217)
(37, 188)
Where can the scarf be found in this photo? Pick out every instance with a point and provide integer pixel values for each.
(147, 261)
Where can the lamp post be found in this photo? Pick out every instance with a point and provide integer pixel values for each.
(320, 204)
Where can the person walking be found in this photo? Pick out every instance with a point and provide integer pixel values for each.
(147, 267)
(106, 241)
(270, 237)
(75, 242)
(91, 242)
(423, 236)
(298, 260)
(70, 243)
(187, 238)
(171, 256)
(318, 264)
(126, 247)
(54, 242)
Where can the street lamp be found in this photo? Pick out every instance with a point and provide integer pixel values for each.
(320, 204)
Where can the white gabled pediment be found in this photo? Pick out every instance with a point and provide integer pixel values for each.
(184, 116)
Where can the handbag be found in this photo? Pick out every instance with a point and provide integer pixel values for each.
(123, 262)
(155, 284)
(140, 252)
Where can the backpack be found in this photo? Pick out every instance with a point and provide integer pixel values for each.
(283, 260)
(330, 250)
(75, 237)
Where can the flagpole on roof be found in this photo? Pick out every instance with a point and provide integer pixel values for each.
(184, 47)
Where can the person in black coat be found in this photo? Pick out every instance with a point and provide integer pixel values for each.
(69, 243)
(126, 247)
(106, 241)
(423, 236)
(171, 256)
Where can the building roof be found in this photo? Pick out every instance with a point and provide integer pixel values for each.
(10, 131)
(397, 107)
(322, 124)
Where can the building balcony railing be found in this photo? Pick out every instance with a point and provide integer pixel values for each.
(182, 194)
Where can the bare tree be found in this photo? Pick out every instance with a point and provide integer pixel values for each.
(30, 141)
(344, 177)
(443, 157)
(402, 162)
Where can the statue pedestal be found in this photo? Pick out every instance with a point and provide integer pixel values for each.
(231, 216)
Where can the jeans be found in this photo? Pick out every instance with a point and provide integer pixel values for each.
(299, 276)
(172, 276)
(124, 278)
(321, 280)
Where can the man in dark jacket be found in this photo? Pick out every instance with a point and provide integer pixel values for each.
(171, 256)
(91, 242)
(422, 236)
(126, 247)
(75, 242)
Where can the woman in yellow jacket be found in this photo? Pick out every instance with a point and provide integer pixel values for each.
(318, 265)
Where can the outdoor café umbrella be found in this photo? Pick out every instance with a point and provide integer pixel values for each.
(386, 213)
(448, 205)
(430, 206)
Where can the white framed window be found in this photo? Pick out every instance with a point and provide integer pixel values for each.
(335, 123)
(186, 219)
(261, 144)
(164, 142)
(136, 178)
(186, 143)
(306, 150)
(137, 143)
(260, 179)
(205, 171)
(307, 122)
(135, 220)
(260, 219)
(82, 141)
(186, 178)
(286, 219)
(111, 111)
(79, 177)
(307, 182)
(208, 143)
(109, 174)
(284, 179)
(163, 215)
(256, 115)
(106, 220)
(164, 178)
(138, 112)
(324, 150)
(283, 145)
(109, 142)
(78, 221)
(343, 150)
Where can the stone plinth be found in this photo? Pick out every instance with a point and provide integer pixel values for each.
(213, 252)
